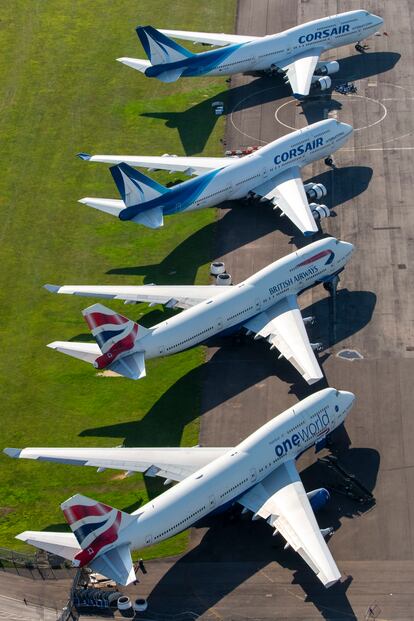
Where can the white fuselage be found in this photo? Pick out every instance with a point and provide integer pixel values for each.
(228, 477)
(247, 174)
(274, 50)
(251, 297)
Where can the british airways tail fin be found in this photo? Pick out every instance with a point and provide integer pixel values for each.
(159, 48)
(117, 338)
(98, 530)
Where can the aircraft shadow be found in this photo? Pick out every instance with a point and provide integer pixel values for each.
(239, 363)
(195, 124)
(260, 91)
(243, 224)
(357, 67)
(234, 549)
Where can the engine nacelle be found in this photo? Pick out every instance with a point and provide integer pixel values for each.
(322, 83)
(217, 267)
(315, 191)
(320, 211)
(318, 498)
(223, 279)
(327, 68)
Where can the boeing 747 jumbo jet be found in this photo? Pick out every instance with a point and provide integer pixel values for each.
(260, 474)
(295, 52)
(265, 304)
(273, 173)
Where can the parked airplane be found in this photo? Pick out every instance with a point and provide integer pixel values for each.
(295, 53)
(264, 304)
(259, 474)
(273, 173)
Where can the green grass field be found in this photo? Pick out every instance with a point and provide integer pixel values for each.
(62, 92)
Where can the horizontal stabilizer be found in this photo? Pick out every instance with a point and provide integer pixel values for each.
(152, 218)
(62, 544)
(88, 352)
(116, 564)
(107, 205)
(169, 76)
(132, 367)
(135, 63)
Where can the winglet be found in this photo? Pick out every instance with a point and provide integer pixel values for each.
(12, 452)
(52, 288)
(84, 156)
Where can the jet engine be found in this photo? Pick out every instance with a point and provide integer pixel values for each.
(327, 68)
(315, 191)
(319, 211)
(318, 498)
(321, 83)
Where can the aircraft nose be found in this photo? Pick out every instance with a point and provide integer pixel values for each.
(348, 128)
(347, 398)
(378, 20)
(348, 247)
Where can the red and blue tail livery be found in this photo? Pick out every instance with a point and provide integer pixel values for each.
(95, 525)
(115, 334)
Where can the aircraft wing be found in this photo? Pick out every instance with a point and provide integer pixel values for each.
(282, 325)
(300, 71)
(210, 38)
(287, 190)
(181, 296)
(186, 165)
(281, 500)
(174, 463)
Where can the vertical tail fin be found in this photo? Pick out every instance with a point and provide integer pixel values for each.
(135, 187)
(97, 528)
(116, 336)
(159, 48)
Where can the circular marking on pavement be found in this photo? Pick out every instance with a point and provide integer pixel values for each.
(381, 106)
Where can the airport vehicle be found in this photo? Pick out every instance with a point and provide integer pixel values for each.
(295, 53)
(264, 304)
(259, 474)
(272, 173)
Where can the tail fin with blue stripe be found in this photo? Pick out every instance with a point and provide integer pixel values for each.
(159, 48)
(135, 187)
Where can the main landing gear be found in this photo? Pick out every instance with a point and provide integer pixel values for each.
(332, 285)
(360, 48)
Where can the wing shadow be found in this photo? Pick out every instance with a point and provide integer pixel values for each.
(195, 124)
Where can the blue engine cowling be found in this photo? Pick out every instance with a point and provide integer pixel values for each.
(318, 498)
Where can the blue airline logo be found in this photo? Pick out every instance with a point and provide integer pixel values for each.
(299, 150)
(318, 426)
(324, 34)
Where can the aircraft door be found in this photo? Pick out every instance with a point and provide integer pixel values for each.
(257, 304)
(253, 475)
(148, 539)
(219, 324)
(211, 501)
(264, 172)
